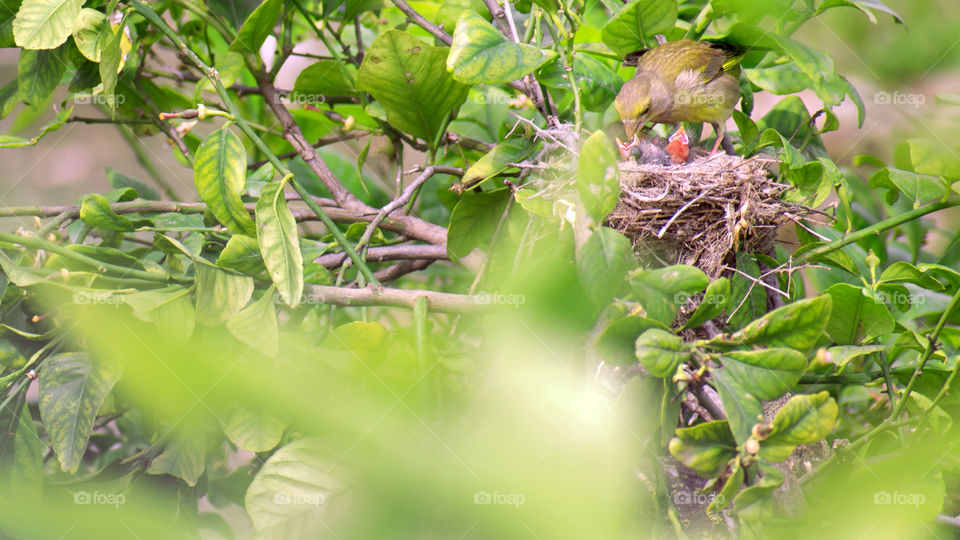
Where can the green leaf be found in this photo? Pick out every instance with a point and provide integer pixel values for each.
(325, 78)
(804, 419)
(291, 492)
(45, 24)
(616, 344)
(938, 419)
(780, 79)
(798, 325)
(705, 448)
(731, 485)
(768, 373)
(598, 181)
(9, 97)
(473, 221)
(754, 502)
(8, 12)
(837, 257)
(743, 408)
(856, 317)
(87, 33)
(635, 25)
(220, 294)
(598, 83)
(818, 67)
(279, 243)
(219, 173)
(481, 54)
(26, 472)
(38, 74)
(712, 304)
(119, 180)
(72, 388)
(919, 188)
(661, 352)
(934, 157)
(602, 264)
(494, 162)
(254, 430)
(242, 253)
(184, 457)
(256, 325)
(748, 131)
(409, 78)
(111, 58)
(95, 211)
(257, 27)
(664, 290)
(169, 309)
(355, 348)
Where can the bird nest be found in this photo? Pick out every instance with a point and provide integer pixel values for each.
(702, 212)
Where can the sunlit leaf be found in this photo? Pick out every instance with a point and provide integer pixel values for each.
(481, 54)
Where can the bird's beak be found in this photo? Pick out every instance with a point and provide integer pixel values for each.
(625, 148)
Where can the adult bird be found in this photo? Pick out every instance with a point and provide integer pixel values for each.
(682, 81)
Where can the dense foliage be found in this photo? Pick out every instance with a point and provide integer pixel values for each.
(287, 353)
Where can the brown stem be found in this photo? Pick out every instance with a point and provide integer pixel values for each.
(401, 269)
(413, 227)
(388, 253)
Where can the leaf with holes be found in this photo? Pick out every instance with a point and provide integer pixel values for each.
(409, 78)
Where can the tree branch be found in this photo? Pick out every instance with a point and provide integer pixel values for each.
(422, 22)
(388, 253)
(437, 301)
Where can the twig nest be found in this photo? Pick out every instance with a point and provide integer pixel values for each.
(702, 212)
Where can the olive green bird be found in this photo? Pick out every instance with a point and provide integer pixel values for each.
(681, 81)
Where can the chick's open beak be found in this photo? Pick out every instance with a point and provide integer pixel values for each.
(625, 148)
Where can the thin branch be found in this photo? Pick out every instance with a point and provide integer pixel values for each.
(413, 227)
(437, 301)
(214, 79)
(401, 269)
(388, 253)
(422, 22)
(323, 141)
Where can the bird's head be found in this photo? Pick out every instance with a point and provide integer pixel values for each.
(640, 100)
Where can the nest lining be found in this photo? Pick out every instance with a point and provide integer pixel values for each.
(701, 212)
